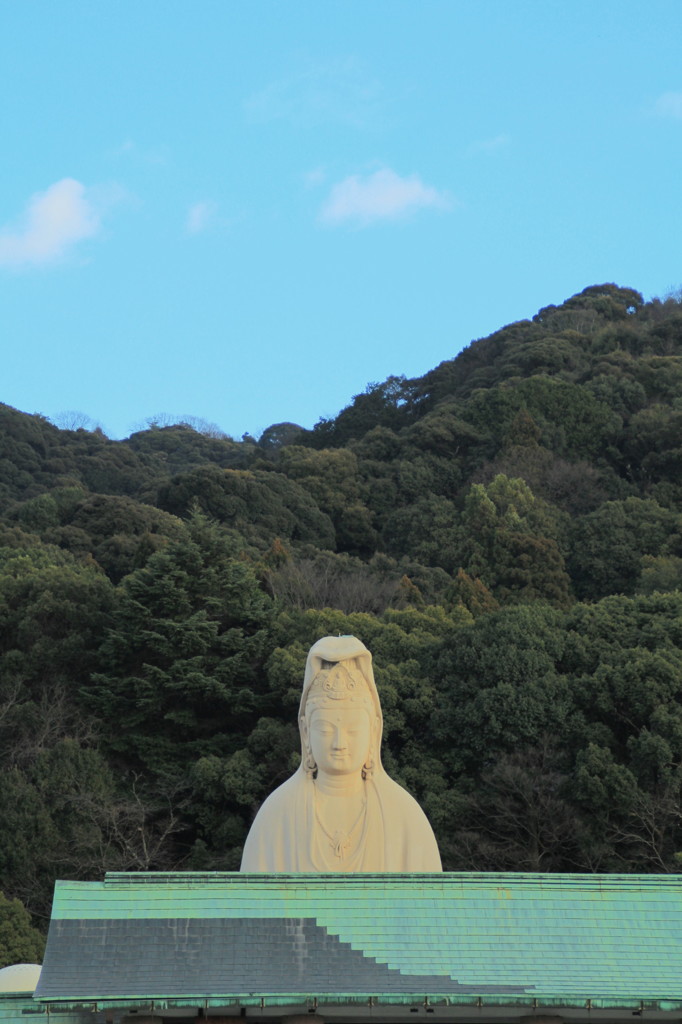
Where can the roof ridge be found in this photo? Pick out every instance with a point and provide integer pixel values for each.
(394, 879)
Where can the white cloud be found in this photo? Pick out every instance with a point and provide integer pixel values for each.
(54, 222)
(669, 104)
(199, 216)
(339, 91)
(489, 145)
(383, 195)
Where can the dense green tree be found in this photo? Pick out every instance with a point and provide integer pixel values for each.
(444, 432)
(472, 594)
(509, 541)
(20, 942)
(387, 404)
(500, 686)
(661, 574)
(619, 390)
(259, 505)
(379, 444)
(278, 434)
(181, 661)
(64, 813)
(607, 545)
(572, 421)
(147, 709)
(178, 447)
(332, 478)
(425, 530)
(592, 306)
(53, 613)
(652, 445)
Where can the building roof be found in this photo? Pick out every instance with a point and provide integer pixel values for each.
(454, 938)
(19, 978)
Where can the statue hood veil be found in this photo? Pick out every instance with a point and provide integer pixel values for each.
(340, 649)
(286, 834)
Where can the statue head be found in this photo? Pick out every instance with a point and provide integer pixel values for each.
(340, 714)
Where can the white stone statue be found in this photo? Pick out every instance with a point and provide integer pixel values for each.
(340, 811)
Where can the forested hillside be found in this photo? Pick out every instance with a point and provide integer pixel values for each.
(503, 533)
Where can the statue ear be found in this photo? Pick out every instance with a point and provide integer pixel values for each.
(308, 759)
(369, 765)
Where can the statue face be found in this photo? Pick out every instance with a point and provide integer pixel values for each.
(339, 739)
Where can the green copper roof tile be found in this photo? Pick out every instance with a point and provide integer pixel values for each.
(616, 938)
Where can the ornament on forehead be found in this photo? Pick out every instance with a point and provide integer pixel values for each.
(339, 685)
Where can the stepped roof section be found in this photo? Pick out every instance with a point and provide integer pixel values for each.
(241, 941)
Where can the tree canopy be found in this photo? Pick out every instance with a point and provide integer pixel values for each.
(503, 533)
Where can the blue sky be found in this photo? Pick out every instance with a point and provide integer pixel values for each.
(246, 212)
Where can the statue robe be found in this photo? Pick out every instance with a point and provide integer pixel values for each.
(286, 835)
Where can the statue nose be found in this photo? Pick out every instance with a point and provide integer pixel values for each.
(339, 741)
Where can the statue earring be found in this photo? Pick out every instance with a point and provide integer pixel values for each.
(368, 768)
(310, 765)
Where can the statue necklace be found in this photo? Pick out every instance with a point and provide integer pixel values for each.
(340, 841)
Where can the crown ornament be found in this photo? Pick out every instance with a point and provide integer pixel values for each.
(336, 685)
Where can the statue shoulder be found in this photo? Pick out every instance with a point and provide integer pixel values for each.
(284, 796)
(412, 842)
(397, 793)
(270, 845)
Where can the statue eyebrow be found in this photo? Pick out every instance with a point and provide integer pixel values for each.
(320, 718)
